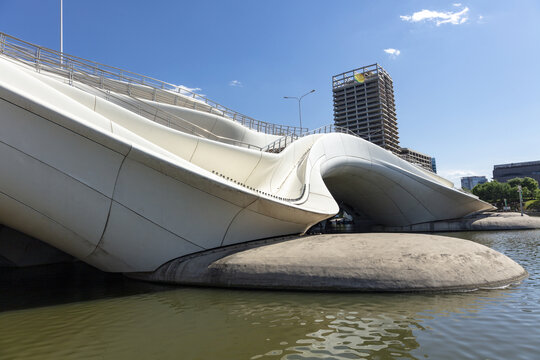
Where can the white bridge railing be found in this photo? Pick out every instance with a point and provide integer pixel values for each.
(129, 90)
(279, 144)
(144, 87)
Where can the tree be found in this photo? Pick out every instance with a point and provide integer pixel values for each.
(528, 185)
(495, 192)
(515, 182)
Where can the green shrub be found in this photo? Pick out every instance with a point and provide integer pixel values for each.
(532, 205)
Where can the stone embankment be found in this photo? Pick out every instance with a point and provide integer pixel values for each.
(346, 262)
(476, 222)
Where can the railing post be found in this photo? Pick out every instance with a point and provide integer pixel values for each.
(38, 57)
(2, 43)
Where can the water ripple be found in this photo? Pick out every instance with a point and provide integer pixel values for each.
(196, 323)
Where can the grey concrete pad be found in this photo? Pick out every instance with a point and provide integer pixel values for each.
(347, 262)
(510, 221)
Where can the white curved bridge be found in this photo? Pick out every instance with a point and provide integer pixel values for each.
(127, 173)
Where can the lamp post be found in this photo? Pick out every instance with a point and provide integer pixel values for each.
(520, 199)
(61, 31)
(299, 107)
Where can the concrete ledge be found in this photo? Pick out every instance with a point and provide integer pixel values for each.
(482, 221)
(347, 262)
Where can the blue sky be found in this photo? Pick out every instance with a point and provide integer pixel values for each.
(466, 77)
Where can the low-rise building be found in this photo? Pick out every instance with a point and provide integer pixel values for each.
(415, 157)
(505, 172)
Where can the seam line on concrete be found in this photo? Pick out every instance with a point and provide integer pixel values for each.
(408, 192)
(52, 167)
(48, 217)
(110, 204)
(158, 225)
(232, 220)
(257, 196)
(193, 153)
(66, 128)
(296, 165)
(253, 169)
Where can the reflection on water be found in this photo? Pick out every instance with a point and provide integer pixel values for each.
(123, 319)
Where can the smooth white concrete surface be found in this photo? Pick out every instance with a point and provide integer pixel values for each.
(125, 193)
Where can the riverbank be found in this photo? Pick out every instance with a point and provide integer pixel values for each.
(488, 221)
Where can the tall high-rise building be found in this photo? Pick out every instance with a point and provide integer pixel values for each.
(364, 103)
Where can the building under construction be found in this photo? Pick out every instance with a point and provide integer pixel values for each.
(364, 103)
(415, 157)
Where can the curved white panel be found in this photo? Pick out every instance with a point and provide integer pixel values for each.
(90, 172)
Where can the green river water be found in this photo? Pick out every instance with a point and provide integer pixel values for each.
(75, 312)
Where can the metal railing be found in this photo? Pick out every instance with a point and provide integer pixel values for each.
(127, 82)
(104, 90)
(129, 90)
(279, 144)
(158, 115)
(366, 72)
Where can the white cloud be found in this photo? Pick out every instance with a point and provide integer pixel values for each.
(457, 4)
(392, 52)
(236, 83)
(186, 90)
(438, 17)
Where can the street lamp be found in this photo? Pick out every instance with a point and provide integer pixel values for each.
(61, 31)
(299, 107)
(61, 26)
